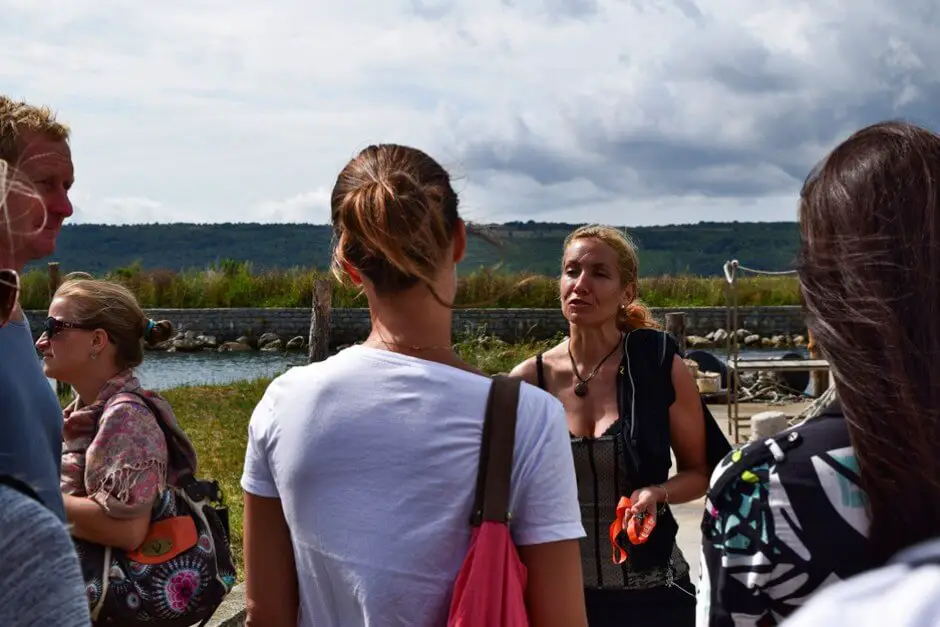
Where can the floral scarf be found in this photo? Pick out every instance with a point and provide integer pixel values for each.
(106, 463)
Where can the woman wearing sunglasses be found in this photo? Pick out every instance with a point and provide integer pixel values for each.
(114, 458)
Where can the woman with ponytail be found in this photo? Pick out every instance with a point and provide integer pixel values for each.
(629, 399)
(114, 455)
(360, 471)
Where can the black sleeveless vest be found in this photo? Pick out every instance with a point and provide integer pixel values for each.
(644, 395)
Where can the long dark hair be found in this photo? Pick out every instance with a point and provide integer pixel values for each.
(870, 276)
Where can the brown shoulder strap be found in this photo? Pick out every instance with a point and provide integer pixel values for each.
(496, 449)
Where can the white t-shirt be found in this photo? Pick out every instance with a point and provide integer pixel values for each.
(374, 456)
(893, 595)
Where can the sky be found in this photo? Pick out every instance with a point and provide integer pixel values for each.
(626, 112)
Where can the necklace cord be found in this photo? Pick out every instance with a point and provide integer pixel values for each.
(597, 369)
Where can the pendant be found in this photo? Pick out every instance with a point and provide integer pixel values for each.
(581, 389)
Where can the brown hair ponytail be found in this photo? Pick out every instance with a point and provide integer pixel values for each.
(393, 213)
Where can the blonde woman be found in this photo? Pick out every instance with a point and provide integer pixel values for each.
(629, 399)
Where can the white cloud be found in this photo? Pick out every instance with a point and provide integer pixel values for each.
(308, 207)
(627, 111)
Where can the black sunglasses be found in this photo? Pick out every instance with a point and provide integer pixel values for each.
(9, 290)
(52, 326)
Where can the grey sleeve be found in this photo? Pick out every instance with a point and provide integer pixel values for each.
(40, 578)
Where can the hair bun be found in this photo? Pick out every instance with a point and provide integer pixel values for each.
(157, 332)
(393, 212)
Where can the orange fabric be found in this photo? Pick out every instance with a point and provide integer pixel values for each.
(490, 587)
(637, 536)
(165, 540)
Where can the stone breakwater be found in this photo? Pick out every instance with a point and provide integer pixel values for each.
(214, 328)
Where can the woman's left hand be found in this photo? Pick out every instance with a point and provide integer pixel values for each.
(644, 500)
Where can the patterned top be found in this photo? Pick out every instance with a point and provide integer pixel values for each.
(114, 451)
(783, 519)
(124, 426)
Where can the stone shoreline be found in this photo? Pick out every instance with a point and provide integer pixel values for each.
(194, 341)
(510, 325)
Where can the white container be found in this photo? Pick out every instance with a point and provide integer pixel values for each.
(707, 382)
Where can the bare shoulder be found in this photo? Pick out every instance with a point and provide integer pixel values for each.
(557, 352)
(528, 369)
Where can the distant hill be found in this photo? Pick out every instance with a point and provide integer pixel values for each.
(697, 249)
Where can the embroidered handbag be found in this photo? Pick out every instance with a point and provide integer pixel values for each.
(183, 570)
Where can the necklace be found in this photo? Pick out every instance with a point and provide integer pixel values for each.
(581, 387)
(418, 348)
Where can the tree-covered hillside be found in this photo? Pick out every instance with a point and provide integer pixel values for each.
(698, 249)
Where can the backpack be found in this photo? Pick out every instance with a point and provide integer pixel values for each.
(183, 570)
(490, 586)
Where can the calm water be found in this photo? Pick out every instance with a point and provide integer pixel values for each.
(166, 370)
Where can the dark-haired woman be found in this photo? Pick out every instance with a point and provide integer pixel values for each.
(846, 490)
(629, 400)
(360, 470)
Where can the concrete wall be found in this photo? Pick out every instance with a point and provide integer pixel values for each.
(351, 325)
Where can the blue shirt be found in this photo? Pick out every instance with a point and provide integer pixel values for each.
(40, 577)
(30, 418)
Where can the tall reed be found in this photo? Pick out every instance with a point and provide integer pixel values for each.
(237, 284)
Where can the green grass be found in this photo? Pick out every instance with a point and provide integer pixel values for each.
(216, 418)
(236, 284)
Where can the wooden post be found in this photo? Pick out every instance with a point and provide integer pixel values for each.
(54, 280)
(819, 378)
(319, 342)
(675, 325)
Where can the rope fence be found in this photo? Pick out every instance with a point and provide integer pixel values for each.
(761, 386)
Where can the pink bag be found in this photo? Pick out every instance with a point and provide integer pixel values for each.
(490, 587)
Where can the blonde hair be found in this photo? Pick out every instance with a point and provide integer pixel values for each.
(112, 308)
(393, 212)
(18, 117)
(635, 315)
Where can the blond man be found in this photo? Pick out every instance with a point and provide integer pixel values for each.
(36, 147)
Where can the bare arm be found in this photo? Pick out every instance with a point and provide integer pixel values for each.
(555, 590)
(687, 426)
(270, 573)
(91, 522)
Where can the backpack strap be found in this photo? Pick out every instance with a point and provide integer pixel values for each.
(494, 475)
(175, 455)
(742, 460)
(196, 490)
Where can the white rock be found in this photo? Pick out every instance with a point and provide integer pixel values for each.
(767, 424)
